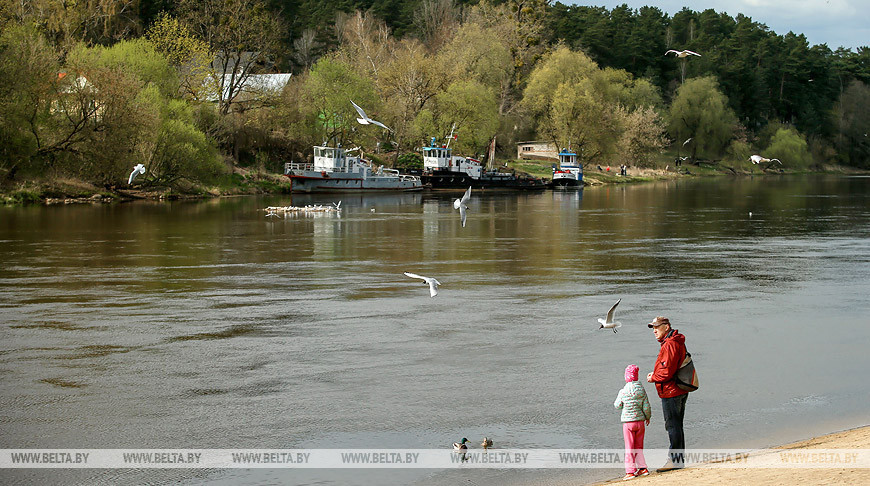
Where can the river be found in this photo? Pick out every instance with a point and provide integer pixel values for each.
(209, 325)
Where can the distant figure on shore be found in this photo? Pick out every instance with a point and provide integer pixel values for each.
(636, 412)
(664, 375)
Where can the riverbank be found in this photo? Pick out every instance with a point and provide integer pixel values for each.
(72, 191)
(858, 438)
(244, 182)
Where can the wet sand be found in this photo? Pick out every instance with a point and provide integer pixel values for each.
(858, 438)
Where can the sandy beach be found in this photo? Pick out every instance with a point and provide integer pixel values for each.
(858, 438)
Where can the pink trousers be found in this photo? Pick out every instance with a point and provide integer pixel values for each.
(633, 434)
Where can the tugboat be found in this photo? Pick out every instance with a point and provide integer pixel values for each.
(334, 170)
(569, 173)
(443, 170)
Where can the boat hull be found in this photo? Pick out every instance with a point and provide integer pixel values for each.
(455, 180)
(565, 183)
(312, 181)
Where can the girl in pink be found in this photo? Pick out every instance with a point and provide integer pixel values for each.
(636, 411)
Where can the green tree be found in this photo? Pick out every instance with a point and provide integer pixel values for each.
(28, 83)
(790, 147)
(176, 150)
(589, 109)
(853, 124)
(189, 55)
(701, 112)
(328, 91)
(471, 106)
(137, 58)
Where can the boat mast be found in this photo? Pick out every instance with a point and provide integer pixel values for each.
(450, 137)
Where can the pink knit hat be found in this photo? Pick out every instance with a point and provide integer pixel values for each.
(631, 373)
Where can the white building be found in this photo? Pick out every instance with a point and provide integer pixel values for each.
(537, 150)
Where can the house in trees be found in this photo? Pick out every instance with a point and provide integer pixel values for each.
(76, 98)
(537, 150)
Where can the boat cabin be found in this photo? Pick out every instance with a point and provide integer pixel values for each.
(567, 159)
(437, 158)
(330, 159)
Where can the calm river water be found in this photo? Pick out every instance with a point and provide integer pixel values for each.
(208, 325)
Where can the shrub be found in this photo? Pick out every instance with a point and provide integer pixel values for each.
(411, 160)
(790, 147)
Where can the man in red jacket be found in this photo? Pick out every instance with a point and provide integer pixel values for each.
(671, 356)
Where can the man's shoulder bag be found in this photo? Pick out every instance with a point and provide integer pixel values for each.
(687, 377)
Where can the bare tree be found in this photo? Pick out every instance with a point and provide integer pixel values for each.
(305, 48)
(436, 20)
(366, 43)
(244, 36)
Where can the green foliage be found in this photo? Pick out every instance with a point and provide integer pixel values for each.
(790, 147)
(853, 124)
(328, 91)
(700, 112)
(188, 54)
(136, 58)
(598, 113)
(410, 160)
(28, 77)
(181, 151)
(471, 106)
(739, 150)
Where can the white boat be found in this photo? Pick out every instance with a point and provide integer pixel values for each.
(569, 173)
(334, 170)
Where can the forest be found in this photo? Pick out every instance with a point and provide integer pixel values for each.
(90, 88)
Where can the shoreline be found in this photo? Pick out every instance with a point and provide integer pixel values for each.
(77, 192)
(854, 438)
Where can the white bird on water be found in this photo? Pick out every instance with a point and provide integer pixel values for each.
(365, 120)
(683, 53)
(138, 169)
(433, 284)
(461, 205)
(757, 159)
(609, 323)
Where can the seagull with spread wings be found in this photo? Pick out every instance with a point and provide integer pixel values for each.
(462, 205)
(608, 322)
(139, 169)
(757, 159)
(365, 120)
(683, 53)
(433, 284)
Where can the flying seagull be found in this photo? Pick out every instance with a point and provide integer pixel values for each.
(684, 53)
(757, 159)
(687, 141)
(461, 205)
(365, 120)
(609, 322)
(139, 169)
(433, 284)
